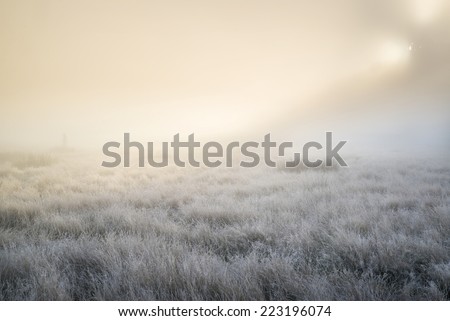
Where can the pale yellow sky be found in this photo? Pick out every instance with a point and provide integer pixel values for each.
(94, 69)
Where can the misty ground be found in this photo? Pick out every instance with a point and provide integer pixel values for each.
(72, 230)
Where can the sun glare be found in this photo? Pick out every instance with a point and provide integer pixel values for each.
(425, 11)
(394, 52)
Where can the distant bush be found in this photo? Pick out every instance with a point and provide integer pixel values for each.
(27, 160)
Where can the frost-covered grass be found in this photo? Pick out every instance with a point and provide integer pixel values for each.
(72, 230)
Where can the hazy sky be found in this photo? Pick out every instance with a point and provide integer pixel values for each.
(94, 69)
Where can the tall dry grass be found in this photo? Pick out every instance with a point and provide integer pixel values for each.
(72, 230)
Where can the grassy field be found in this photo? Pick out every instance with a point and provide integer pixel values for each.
(72, 230)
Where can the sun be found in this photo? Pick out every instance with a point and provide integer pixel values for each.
(394, 52)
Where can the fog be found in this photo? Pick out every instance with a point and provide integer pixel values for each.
(377, 74)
